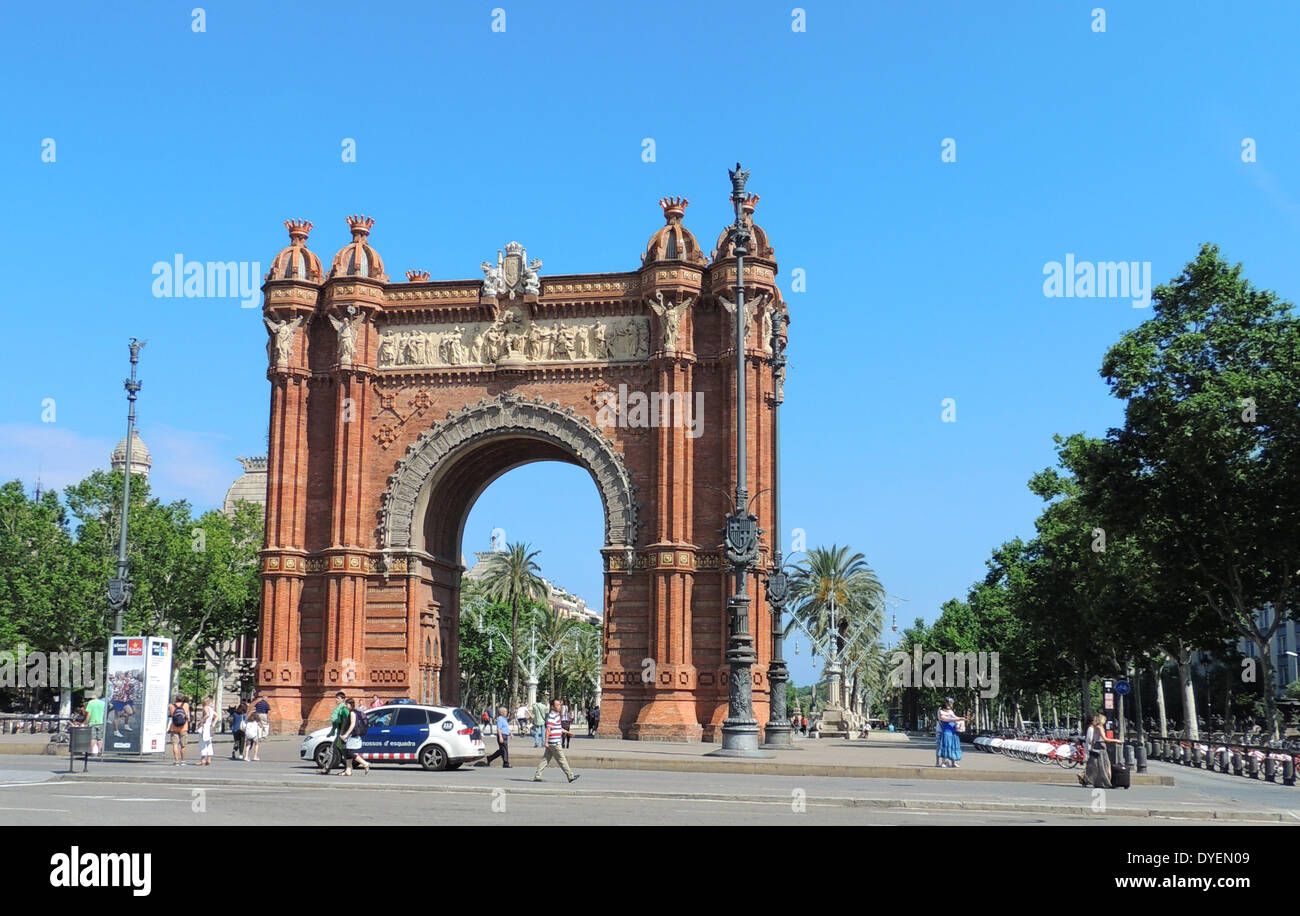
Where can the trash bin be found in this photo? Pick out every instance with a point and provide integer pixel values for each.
(79, 743)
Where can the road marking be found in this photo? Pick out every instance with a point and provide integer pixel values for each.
(53, 810)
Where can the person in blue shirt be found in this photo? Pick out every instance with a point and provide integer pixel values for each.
(503, 740)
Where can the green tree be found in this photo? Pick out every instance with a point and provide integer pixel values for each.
(511, 577)
(1211, 440)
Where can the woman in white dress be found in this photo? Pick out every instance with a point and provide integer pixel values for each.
(206, 724)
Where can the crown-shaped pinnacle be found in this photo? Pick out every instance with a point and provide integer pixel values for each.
(417, 276)
(674, 208)
(360, 226)
(299, 229)
(751, 201)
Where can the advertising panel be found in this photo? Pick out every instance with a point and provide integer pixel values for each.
(157, 685)
(124, 691)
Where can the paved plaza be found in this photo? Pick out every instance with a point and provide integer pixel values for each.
(627, 783)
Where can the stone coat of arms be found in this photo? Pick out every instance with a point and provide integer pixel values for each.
(513, 273)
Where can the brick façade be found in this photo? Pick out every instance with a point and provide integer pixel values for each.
(373, 467)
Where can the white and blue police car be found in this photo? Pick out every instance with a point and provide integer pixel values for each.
(436, 737)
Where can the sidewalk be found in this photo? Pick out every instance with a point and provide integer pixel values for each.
(883, 756)
(280, 771)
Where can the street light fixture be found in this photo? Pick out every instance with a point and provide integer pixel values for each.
(119, 587)
(740, 729)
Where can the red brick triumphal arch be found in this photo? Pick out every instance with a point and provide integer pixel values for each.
(395, 404)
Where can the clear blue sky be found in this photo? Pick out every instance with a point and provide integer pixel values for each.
(924, 278)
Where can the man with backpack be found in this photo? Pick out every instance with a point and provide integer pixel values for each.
(178, 716)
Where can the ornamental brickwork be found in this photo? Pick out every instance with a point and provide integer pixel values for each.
(395, 404)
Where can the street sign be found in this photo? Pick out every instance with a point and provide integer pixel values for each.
(1123, 688)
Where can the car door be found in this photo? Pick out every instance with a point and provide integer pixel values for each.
(410, 729)
(379, 726)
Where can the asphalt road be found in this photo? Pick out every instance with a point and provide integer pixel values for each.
(143, 793)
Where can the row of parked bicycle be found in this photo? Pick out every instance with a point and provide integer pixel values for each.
(1063, 751)
(1277, 761)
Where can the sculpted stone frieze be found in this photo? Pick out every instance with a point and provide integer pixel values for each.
(514, 338)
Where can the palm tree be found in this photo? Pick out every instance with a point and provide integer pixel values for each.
(552, 629)
(512, 578)
(831, 576)
(586, 661)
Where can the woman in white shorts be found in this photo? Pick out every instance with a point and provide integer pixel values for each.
(206, 725)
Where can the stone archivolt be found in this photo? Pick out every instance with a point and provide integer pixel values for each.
(510, 414)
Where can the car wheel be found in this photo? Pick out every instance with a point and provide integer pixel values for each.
(319, 755)
(433, 758)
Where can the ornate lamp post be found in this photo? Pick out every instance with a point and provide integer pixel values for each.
(119, 587)
(740, 729)
(776, 735)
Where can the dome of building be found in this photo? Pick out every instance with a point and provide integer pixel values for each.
(296, 262)
(141, 460)
(357, 258)
(759, 247)
(673, 242)
(251, 487)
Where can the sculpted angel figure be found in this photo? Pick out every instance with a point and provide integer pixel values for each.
(347, 330)
(279, 346)
(751, 305)
(670, 318)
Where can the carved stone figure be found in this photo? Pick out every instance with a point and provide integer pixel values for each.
(494, 283)
(765, 332)
(347, 330)
(670, 318)
(750, 305)
(564, 339)
(533, 283)
(279, 346)
(599, 346)
(580, 348)
(533, 350)
(387, 350)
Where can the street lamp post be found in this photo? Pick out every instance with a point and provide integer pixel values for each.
(119, 587)
(740, 729)
(777, 735)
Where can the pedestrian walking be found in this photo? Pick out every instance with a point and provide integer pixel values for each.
(178, 716)
(503, 741)
(209, 722)
(95, 719)
(340, 719)
(238, 722)
(254, 732)
(539, 723)
(1096, 772)
(352, 741)
(263, 710)
(566, 722)
(948, 746)
(554, 735)
(593, 721)
(521, 717)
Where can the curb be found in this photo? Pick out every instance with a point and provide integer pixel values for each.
(1041, 775)
(819, 801)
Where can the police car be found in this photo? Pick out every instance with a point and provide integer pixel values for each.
(436, 737)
